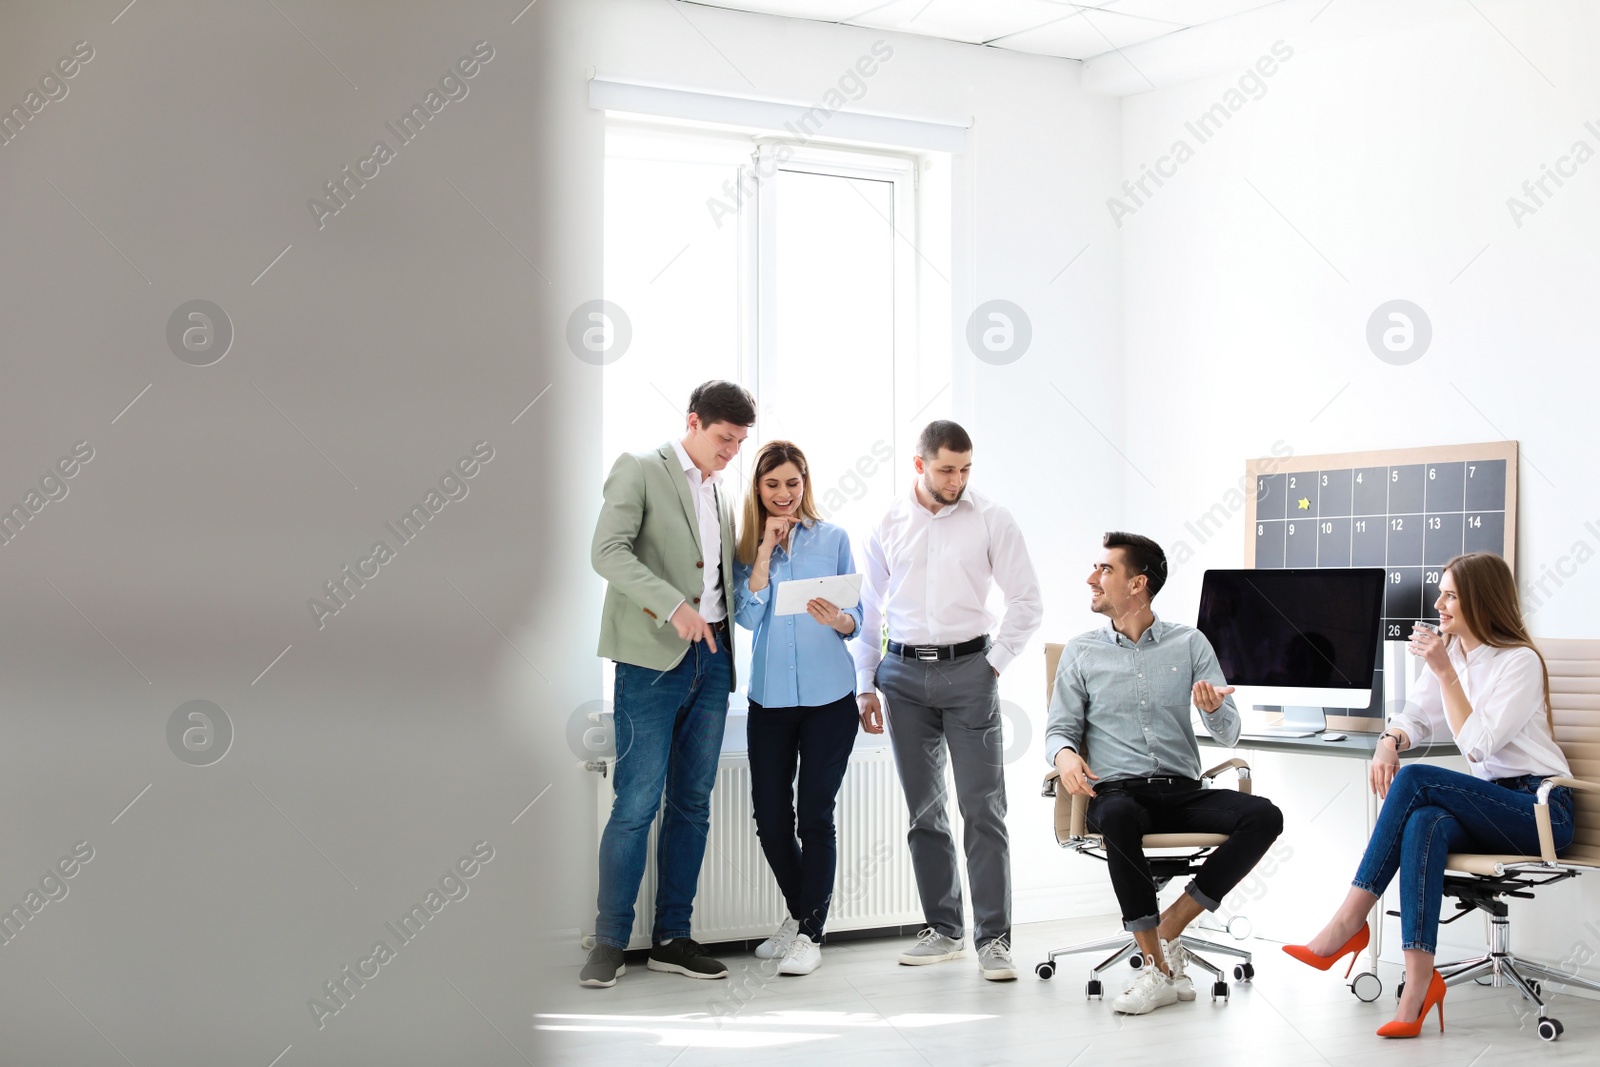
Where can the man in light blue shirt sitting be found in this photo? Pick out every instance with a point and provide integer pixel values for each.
(1121, 699)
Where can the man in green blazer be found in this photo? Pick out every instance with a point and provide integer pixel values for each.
(664, 543)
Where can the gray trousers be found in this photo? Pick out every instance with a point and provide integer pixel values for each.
(954, 705)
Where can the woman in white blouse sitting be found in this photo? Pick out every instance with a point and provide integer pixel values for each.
(1486, 687)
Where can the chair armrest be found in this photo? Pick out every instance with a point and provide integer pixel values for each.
(1238, 766)
(1541, 812)
(1071, 810)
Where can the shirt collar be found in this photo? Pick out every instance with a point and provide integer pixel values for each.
(688, 465)
(1156, 630)
(966, 498)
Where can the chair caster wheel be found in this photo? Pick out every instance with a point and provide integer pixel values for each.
(1093, 990)
(1219, 989)
(1136, 962)
(587, 941)
(1550, 1029)
(1045, 970)
(1367, 987)
(1400, 990)
(1243, 972)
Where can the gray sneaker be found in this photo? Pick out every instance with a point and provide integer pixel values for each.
(932, 947)
(603, 967)
(994, 961)
(1177, 958)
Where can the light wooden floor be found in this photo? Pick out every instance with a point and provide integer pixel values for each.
(861, 1007)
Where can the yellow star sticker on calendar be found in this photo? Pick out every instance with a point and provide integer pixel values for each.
(1305, 503)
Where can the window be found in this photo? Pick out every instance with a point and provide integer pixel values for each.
(795, 271)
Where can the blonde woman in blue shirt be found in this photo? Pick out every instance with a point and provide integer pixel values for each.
(802, 695)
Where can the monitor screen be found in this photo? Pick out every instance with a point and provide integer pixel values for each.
(1294, 628)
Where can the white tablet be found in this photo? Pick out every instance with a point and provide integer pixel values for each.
(841, 590)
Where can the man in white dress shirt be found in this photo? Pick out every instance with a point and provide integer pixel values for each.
(929, 565)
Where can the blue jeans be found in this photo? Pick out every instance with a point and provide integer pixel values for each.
(804, 752)
(1431, 812)
(669, 735)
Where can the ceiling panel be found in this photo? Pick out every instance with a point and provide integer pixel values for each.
(1071, 30)
(1090, 34)
(822, 10)
(965, 20)
(1187, 12)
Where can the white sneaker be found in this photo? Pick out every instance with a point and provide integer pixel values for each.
(777, 946)
(994, 961)
(932, 947)
(1178, 959)
(804, 956)
(1151, 990)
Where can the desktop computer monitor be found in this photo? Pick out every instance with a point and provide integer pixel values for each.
(1299, 640)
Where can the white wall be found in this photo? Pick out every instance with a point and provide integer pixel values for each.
(1026, 201)
(1393, 158)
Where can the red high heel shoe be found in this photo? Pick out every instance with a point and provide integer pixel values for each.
(1433, 998)
(1357, 942)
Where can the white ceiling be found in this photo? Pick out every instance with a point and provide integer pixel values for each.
(1060, 28)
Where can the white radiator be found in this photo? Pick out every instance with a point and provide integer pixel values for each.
(737, 897)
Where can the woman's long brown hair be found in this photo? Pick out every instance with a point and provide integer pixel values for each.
(773, 455)
(1486, 600)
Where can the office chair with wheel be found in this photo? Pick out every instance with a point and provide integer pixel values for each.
(1071, 831)
(1481, 882)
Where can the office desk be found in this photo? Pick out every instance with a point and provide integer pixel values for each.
(1354, 747)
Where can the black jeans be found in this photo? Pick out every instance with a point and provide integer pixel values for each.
(819, 740)
(1125, 811)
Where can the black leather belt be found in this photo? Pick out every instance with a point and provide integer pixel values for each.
(720, 626)
(1167, 782)
(933, 653)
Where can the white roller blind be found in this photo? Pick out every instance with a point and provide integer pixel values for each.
(797, 120)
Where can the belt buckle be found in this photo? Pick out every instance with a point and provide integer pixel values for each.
(927, 653)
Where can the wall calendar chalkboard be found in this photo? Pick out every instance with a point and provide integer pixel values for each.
(1407, 510)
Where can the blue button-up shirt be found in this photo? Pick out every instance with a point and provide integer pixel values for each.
(797, 661)
(1124, 707)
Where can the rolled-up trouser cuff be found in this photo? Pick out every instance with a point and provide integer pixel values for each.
(1418, 946)
(1134, 926)
(1205, 901)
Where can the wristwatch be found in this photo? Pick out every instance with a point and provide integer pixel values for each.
(1391, 733)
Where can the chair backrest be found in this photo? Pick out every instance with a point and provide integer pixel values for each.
(1071, 811)
(1574, 667)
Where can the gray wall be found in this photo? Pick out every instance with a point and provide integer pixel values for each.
(389, 739)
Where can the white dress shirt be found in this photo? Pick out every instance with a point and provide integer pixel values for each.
(712, 607)
(929, 573)
(1507, 735)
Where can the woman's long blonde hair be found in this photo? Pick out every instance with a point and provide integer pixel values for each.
(1486, 599)
(773, 455)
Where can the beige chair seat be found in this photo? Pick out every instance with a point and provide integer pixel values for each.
(1581, 854)
(1483, 864)
(1183, 840)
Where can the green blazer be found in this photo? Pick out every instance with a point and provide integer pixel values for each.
(647, 548)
